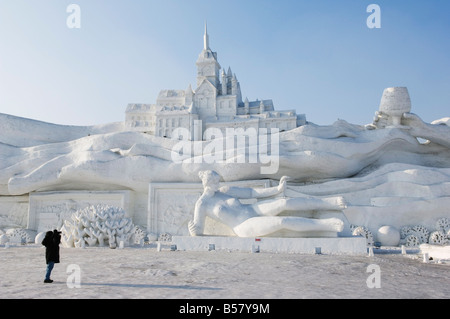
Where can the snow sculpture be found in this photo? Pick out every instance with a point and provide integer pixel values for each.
(261, 218)
(386, 172)
(422, 233)
(217, 101)
(394, 103)
(438, 238)
(441, 236)
(97, 225)
(39, 237)
(165, 237)
(388, 236)
(405, 231)
(4, 239)
(21, 235)
(415, 235)
(412, 241)
(438, 134)
(140, 235)
(308, 153)
(364, 232)
(443, 225)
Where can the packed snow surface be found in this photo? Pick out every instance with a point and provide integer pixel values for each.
(136, 272)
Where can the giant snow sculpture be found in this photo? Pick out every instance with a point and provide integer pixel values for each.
(392, 172)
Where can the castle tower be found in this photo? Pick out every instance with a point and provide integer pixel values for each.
(207, 65)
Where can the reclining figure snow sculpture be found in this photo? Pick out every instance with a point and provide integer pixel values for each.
(261, 218)
(97, 225)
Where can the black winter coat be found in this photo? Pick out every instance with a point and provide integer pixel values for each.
(51, 243)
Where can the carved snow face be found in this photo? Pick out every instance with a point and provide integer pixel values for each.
(210, 179)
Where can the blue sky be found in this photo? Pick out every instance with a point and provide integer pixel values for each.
(317, 57)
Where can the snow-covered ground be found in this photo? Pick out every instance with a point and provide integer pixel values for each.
(135, 272)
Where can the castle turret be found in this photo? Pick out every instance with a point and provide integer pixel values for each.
(189, 94)
(239, 93)
(224, 83)
(229, 77)
(234, 86)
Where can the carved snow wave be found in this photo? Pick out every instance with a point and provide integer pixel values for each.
(396, 194)
(131, 160)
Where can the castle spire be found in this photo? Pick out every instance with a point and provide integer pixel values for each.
(206, 38)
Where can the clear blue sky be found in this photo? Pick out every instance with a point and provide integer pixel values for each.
(318, 57)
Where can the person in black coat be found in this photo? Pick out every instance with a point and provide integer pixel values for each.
(51, 242)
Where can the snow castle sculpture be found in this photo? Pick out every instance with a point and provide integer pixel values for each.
(216, 102)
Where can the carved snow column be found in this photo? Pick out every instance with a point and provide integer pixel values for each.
(394, 102)
(246, 106)
(224, 83)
